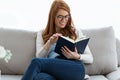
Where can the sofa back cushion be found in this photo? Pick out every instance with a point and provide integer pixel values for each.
(118, 50)
(21, 43)
(103, 47)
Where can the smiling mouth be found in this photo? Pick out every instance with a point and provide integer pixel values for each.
(62, 23)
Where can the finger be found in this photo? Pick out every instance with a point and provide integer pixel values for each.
(64, 50)
(64, 53)
(51, 37)
(67, 49)
(55, 36)
(59, 34)
(76, 49)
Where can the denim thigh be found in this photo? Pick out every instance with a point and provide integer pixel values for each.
(43, 76)
(61, 69)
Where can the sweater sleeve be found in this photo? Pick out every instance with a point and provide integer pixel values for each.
(87, 56)
(40, 51)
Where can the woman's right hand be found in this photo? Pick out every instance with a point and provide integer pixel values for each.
(51, 40)
(54, 38)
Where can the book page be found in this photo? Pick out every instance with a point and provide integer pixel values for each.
(67, 38)
(81, 38)
(73, 41)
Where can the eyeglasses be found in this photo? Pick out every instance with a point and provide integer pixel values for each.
(60, 17)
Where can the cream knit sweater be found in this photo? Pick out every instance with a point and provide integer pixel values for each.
(86, 57)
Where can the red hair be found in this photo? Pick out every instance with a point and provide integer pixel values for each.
(50, 28)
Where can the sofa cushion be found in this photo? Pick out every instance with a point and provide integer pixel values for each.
(21, 43)
(118, 50)
(97, 77)
(11, 77)
(115, 75)
(103, 47)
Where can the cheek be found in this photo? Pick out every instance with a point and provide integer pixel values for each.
(56, 22)
(59, 24)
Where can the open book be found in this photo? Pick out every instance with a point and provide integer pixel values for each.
(80, 44)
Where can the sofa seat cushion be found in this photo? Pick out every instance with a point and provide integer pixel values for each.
(18, 77)
(97, 77)
(11, 77)
(115, 75)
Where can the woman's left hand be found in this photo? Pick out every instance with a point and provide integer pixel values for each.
(70, 54)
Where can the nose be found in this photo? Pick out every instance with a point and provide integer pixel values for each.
(63, 19)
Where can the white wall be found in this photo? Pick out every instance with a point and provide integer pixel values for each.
(32, 14)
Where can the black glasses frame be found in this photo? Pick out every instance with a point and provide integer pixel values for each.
(61, 17)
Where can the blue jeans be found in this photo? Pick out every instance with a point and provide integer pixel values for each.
(54, 69)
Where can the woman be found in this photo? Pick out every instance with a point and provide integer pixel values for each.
(49, 65)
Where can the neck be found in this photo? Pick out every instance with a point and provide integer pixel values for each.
(58, 30)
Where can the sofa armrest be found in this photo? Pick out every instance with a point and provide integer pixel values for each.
(118, 50)
(115, 75)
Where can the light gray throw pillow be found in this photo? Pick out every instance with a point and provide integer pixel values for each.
(103, 47)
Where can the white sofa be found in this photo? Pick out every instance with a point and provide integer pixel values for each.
(103, 44)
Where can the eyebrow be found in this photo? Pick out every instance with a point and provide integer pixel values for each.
(63, 15)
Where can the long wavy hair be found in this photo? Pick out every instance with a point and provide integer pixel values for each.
(50, 27)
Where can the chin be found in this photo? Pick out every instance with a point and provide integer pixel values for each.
(62, 27)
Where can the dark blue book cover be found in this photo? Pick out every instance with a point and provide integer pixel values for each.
(79, 44)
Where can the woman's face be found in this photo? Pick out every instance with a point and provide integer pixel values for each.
(61, 19)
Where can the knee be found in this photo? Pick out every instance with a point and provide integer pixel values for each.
(44, 76)
(35, 61)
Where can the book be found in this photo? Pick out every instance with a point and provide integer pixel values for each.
(80, 44)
